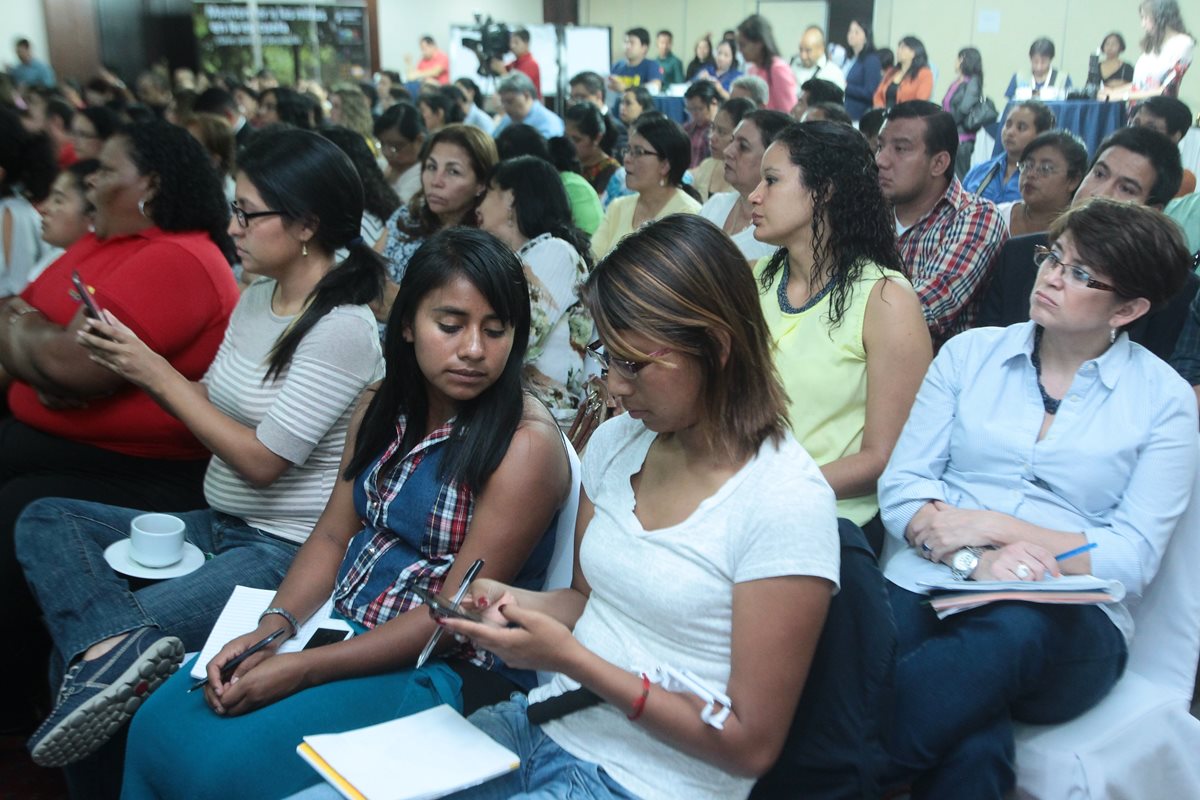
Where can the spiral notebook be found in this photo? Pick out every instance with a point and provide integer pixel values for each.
(422, 756)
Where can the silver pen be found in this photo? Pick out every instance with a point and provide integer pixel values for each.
(454, 601)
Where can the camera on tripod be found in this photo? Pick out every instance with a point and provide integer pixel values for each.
(491, 44)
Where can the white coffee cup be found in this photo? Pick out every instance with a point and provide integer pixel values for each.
(156, 540)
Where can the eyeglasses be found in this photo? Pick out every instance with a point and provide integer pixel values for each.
(627, 369)
(1042, 170)
(638, 151)
(1045, 258)
(244, 218)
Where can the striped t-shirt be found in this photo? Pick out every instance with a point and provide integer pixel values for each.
(301, 416)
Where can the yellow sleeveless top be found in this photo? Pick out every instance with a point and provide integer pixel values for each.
(824, 370)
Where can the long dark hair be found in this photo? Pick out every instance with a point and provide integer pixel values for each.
(852, 222)
(476, 94)
(1165, 14)
(539, 201)
(757, 28)
(869, 45)
(310, 181)
(483, 426)
(920, 57)
(379, 198)
(190, 195)
(445, 99)
(972, 63)
(27, 160)
(591, 123)
(402, 117)
(291, 107)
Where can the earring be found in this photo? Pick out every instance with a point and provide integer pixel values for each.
(304, 249)
(1112, 335)
(142, 207)
(662, 182)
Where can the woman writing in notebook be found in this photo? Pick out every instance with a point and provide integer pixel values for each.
(1026, 443)
(440, 469)
(700, 517)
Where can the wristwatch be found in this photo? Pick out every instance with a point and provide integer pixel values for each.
(964, 562)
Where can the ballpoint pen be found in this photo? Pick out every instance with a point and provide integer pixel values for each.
(234, 663)
(454, 601)
(1076, 551)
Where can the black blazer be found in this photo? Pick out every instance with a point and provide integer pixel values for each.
(964, 100)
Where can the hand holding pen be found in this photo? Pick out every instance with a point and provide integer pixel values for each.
(232, 664)
(454, 602)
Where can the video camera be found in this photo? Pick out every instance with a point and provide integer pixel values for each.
(491, 44)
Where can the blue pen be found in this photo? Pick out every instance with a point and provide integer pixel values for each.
(1076, 551)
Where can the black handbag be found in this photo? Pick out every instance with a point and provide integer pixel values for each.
(981, 115)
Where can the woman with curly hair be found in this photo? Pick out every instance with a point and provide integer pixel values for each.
(851, 341)
(380, 200)
(454, 171)
(158, 259)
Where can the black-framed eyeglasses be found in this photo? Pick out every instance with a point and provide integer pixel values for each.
(628, 369)
(637, 151)
(243, 217)
(1072, 273)
(1042, 170)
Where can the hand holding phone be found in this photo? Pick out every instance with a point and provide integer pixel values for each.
(90, 307)
(442, 607)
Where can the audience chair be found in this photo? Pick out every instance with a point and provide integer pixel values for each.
(561, 570)
(1141, 740)
(834, 748)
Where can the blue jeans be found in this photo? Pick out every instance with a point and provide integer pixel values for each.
(61, 543)
(960, 683)
(547, 772)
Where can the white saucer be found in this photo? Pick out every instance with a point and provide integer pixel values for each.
(117, 556)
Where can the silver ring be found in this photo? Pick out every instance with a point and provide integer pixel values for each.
(1022, 571)
(926, 547)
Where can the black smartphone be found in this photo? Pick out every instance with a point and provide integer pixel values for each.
(324, 636)
(441, 607)
(89, 303)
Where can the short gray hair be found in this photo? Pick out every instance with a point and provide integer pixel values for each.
(517, 82)
(760, 93)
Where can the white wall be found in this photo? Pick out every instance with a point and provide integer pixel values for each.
(1075, 26)
(402, 23)
(22, 19)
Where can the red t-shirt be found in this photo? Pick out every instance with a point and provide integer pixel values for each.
(441, 62)
(67, 156)
(530, 67)
(176, 291)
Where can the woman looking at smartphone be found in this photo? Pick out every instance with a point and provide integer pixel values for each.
(158, 258)
(449, 462)
(700, 517)
(273, 409)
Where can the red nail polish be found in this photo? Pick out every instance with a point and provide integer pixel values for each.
(481, 603)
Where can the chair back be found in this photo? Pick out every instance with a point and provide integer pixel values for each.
(834, 749)
(561, 570)
(1166, 640)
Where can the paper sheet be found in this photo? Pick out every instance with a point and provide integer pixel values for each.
(240, 616)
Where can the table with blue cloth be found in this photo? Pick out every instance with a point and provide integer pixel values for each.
(673, 107)
(1090, 120)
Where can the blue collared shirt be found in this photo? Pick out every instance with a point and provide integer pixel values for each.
(1117, 463)
(545, 121)
(997, 190)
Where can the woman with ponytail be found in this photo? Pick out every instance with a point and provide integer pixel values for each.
(529, 212)
(273, 409)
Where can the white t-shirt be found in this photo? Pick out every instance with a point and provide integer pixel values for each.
(665, 597)
(1152, 69)
(716, 210)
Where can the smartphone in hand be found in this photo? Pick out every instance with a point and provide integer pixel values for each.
(441, 607)
(90, 306)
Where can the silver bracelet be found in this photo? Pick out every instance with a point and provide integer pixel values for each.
(283, 612)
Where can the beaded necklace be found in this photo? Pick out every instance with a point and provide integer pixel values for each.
(1049, 403)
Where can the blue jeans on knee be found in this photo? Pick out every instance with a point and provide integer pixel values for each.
(61, 543)
(961, 681)
(547, 772)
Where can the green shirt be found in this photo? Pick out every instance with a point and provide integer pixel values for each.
(586, 210)
(672, 69)
(1186, 212)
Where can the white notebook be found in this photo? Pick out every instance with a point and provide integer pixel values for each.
(240, 616)
(425, 755)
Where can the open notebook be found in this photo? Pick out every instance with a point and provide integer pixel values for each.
(425, 755)
(240, 616)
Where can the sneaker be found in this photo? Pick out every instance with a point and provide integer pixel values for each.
(99, 696)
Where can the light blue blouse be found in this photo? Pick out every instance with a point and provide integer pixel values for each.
(1117, 463)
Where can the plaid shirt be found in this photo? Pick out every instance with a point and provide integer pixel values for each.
(379, 571)
(948, 253)
(1186, 359)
